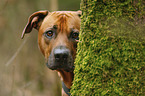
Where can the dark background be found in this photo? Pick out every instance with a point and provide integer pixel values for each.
(22, 68)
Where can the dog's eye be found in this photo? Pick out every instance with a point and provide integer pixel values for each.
(49, 33)
(75, 35)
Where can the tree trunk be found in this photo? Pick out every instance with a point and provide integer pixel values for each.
(53, 5)
(111, 53)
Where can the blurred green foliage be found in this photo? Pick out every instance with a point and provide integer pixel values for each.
(69, 5)
(111, 57)
(26, 74)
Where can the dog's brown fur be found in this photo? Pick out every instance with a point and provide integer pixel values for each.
(64, 21)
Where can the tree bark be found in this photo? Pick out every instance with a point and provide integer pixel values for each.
(110, 57)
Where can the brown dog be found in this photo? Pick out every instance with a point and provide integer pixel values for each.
(57, 40)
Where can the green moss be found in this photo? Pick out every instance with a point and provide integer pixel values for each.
(110, 59)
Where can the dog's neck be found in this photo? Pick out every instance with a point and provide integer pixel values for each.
(66, 77)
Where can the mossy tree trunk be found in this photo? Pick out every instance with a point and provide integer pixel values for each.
(111, 52)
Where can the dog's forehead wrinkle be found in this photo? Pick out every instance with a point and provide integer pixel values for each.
(63, 19)
(64, 12)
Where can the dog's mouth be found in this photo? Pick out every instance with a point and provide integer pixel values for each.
(65, 65)
(60, 59)
(67, 69)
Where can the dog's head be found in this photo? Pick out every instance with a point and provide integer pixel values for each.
(57, 36)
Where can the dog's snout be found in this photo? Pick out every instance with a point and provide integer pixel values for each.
(61, 58)
(61, 53)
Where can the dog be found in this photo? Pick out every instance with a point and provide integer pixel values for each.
(58, 34)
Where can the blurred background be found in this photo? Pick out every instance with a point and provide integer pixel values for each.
(22, 68)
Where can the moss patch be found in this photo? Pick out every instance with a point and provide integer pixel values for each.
(111, 54)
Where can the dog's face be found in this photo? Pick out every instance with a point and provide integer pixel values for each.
(57, 37)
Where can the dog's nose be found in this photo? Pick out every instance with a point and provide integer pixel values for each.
(61, 58)
(61, 54)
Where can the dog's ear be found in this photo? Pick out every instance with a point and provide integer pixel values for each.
(34, 21)
(79, 13)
